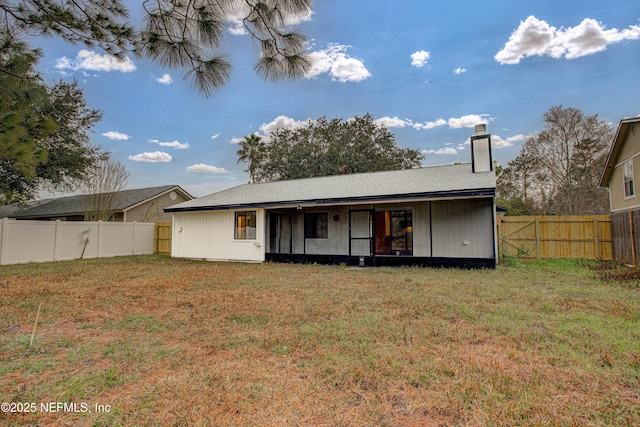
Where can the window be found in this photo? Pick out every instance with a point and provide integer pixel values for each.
(245, 225)
(316, 225)
(627, 171)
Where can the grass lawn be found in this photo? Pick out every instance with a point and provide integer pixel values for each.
(155, 341)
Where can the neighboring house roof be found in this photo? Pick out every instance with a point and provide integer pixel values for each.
(14, 208)
(618, 143)
(74, 205)
(430, 182)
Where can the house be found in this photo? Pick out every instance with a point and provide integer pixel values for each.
(440, 216)
(619, 176)
(142, 205)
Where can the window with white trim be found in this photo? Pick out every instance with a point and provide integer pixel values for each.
(627, 173)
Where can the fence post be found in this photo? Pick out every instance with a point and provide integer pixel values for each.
(133, 238)
(155, 238)
(596, 238)
(499, 237)
(537, 232)
(99, 240)
(56, 240)
(634, 255)
(4, 237)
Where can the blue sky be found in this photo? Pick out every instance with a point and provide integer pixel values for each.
(427, 70)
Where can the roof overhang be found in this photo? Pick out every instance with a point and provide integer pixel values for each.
(618, 141)
(467, 194)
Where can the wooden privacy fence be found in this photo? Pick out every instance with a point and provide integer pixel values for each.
(555, 237)
(163, 238)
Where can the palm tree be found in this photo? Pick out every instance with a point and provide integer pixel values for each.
(251, 151)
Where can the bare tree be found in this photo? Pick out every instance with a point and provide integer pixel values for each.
(106, 179)
(558, 169)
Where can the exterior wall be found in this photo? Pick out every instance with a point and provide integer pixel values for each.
(420, 222)
(453, 229)
(338, 241)
(630, 149)
(446, 229)
(463, 229)
(210, 235)
(152, 210)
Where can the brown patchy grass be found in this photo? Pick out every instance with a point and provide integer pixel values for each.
(168, 342)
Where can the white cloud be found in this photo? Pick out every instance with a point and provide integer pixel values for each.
(116, 136)
(468, 121)
(234, 16)
(92, 61)
(236, 140)
(237, 11)
(215, 136)
(177, 145)
(430, 125)
(393, 122)
(340, 66)
(440, 151)
(498, 142)
(459, 70)
(202, 168)
(281, 122)
(165, 79)
(419, 59)
(535, 37)
(155, 157)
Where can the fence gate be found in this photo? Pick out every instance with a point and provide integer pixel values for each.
(555, 236)
(163, 238)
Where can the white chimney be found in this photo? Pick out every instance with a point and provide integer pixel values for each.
(480, 129)
(481, 158)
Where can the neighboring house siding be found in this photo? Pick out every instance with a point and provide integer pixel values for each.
(630, 150)
(463, 228)
(152, 211)
(210, 235)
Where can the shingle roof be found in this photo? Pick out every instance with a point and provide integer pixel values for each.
(78, 204)
(429, 182)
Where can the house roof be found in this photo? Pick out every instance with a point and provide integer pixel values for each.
(614, 151)
(427, 183)
(10, 210)
(70, 205)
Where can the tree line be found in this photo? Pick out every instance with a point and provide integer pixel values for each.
(325, 147)
(557, 171)
(44, 135)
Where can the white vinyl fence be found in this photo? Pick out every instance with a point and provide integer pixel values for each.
(41, 241)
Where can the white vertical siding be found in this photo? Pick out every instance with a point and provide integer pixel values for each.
(210, 235)
(421, 230)
(463, 229)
